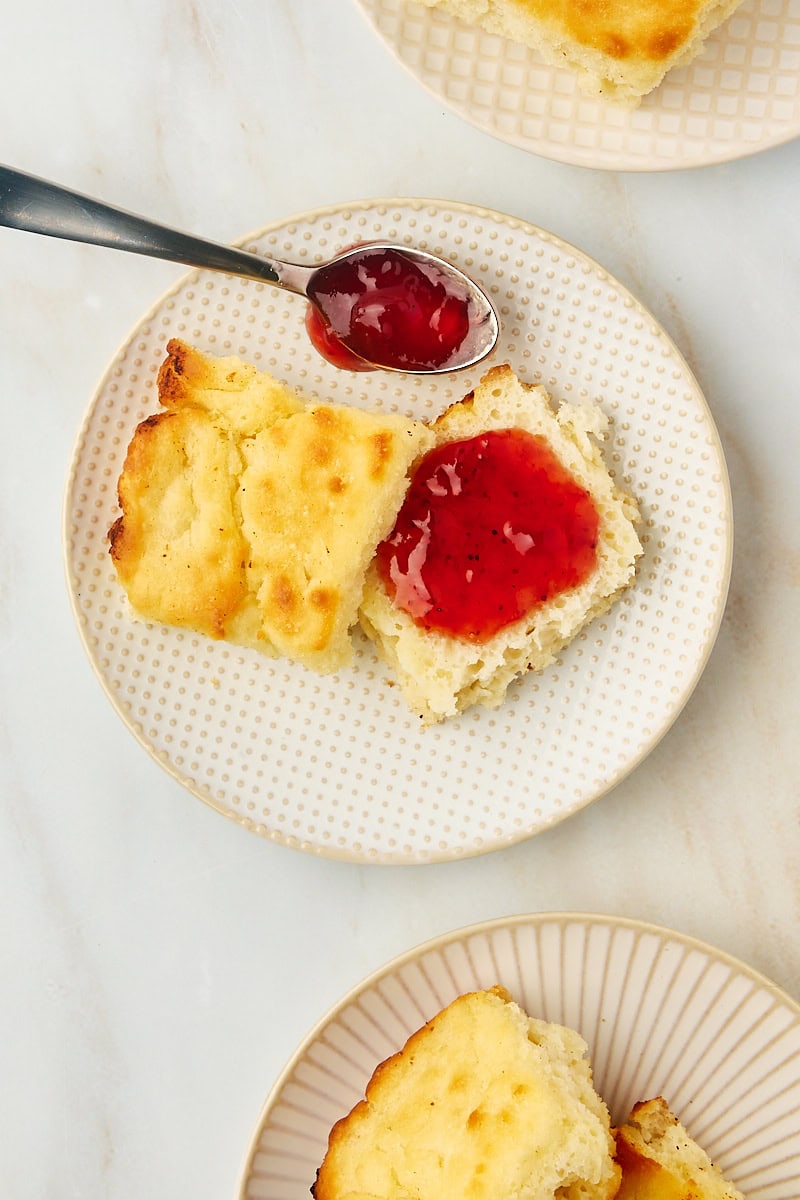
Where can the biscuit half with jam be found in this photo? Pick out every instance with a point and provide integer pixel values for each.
(512, 537)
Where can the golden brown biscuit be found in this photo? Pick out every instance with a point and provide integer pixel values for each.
(317, 492)
(620, 49)
(483, 1103)
(660, 1161)
(251, 516)
(245, 399)
(178, 547)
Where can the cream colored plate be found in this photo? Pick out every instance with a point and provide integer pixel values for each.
(742, 93)
(337, 765)
(661, 1013)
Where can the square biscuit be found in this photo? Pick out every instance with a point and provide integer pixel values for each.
(619, 49)
(250, 515)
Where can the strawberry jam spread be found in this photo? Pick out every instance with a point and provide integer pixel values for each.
(491, 528)
(388, 308)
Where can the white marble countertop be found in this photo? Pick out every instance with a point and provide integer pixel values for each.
(159, 964)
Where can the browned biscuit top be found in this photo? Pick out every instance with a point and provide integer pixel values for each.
(251, 515)
(622, 29)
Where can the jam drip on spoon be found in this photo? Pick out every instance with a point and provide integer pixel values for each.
(491, 528)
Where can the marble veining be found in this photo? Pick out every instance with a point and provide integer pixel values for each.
(159, 964)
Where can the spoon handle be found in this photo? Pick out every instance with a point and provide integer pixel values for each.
(38, 206)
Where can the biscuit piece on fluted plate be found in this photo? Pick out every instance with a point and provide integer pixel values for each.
(482, 1103)
(660, 1161)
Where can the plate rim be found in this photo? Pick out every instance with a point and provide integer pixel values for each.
(452, 853)
(563, 917)
(572, 159)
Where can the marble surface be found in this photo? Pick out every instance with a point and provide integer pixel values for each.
(159, 964)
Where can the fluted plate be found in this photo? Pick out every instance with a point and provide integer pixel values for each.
(662, 1014)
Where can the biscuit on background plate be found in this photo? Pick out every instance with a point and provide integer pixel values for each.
(619, 49)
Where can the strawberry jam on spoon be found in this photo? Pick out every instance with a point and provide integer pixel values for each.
(390, 307)
(491, 528)
(398, 308)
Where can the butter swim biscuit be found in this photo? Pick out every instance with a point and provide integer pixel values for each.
(484, 1103)
(660, 1161)
(250, 515)
(546, 536)
(619, 49)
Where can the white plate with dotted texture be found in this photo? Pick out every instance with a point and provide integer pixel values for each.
(739, 96)
(662, 1014)
(337, 765)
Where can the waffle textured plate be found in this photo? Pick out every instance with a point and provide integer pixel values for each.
(337, 765)
(662, 1014)
(740, 95)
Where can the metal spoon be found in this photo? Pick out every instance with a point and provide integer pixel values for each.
(35, 205)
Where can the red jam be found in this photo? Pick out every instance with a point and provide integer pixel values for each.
(389, 309)
(329, 345)
(490, 529)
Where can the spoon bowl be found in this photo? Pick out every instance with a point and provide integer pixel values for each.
(378, 306)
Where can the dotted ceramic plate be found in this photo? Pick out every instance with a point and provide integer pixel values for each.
(662, 1014)
(337, 765)
(740, 95)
